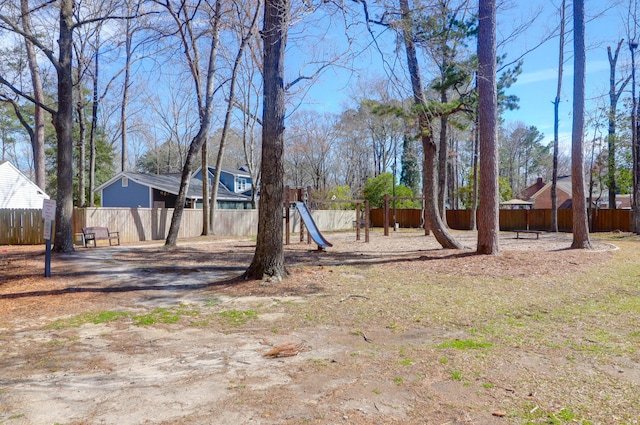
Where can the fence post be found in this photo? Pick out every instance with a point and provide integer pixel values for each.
(287, 215)
(366, 221)
(385, 215)
(358, 215)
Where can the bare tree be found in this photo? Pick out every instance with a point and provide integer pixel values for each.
(38, 133)
(204, 87)
(632, 35)
(580, 223)
(429, 146)
(443, 35)
(311, 140)
(268, 259)
(248, 103)
(488, 222)
(614, 96)
(245, 36)
(556, 121)
(63, 113)
(62, 116)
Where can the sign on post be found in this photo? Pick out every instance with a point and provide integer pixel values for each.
(49, 214)
(49, 209)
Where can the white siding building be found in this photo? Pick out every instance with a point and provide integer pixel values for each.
(17, 191)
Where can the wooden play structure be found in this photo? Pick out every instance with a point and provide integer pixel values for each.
(388, 212)
(303, 196)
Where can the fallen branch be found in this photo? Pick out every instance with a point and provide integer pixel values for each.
(363, 335)
(353, 296)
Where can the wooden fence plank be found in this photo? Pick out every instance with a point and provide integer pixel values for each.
(537, 219)
(143, 224)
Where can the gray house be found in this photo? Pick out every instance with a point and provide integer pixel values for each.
(141, 190)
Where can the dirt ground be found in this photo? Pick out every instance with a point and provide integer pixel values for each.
(358, 334)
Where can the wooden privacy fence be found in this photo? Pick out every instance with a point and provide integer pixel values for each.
(21, 227)
(602, 220)
(25, 227)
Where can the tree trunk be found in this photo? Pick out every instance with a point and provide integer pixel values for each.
(429, 167)
(633, 45)
(206, 115)
(488, 214)
(227, 118)
(206, 193)
(63, 123)
(125, 97)
(37, 141)
(614, 95)
(268, 259)
(474, 200)
(556, 124)
(94, 124)
(82, 144)
(442, 163)
(580, 224)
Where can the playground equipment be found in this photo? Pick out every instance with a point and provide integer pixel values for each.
(311, 226)
(387, 214)
(301, 198)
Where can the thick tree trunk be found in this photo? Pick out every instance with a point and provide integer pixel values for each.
(580, 223)
(37, 141)
(432, 214)
(429, 168)
(63, 123)
(442, 163)
(488, 218)
(268, 259)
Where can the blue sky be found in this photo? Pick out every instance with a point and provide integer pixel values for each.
(537, 85)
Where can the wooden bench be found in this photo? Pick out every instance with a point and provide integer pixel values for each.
(94, 234)
(533, 232)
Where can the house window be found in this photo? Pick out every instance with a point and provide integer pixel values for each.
(125, 182)
(242, 185)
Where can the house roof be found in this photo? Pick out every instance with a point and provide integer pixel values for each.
(516, 202)
(171, 184)
(563, 183)
(238, 173)
(529, 191)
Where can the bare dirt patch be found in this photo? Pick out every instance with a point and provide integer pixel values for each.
(394, 331)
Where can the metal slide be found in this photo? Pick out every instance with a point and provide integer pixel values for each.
(311, 226)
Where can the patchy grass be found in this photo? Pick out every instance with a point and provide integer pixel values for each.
(238, 317)
(88, 318)
(466, 344)
(546, 338)
(166, 315)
